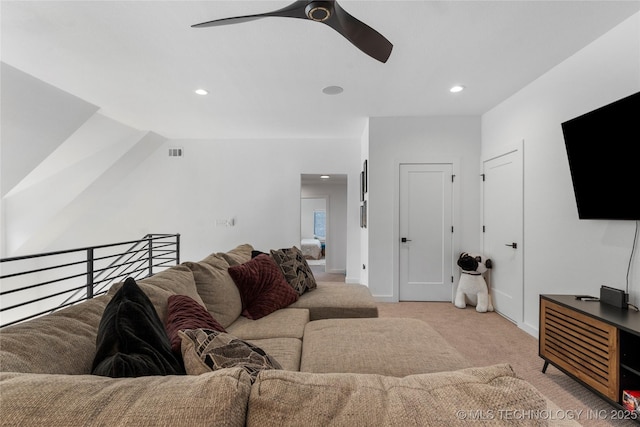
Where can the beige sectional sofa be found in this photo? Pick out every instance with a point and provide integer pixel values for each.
(341, 365)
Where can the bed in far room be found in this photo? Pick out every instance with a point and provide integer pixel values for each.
(311, 248)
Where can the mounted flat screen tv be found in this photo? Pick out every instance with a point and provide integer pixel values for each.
(603, 147)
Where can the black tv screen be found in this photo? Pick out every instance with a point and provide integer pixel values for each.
(603, 147)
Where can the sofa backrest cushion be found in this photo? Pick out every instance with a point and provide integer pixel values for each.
(338, 300)
(213, 399)
(217, 289)
(63, 342)
(132, 341)
(262, 286)
(185, 313)
(177, 280)
(284, 398)
(238, 255)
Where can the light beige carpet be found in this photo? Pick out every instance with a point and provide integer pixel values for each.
(488, 338)
(321, 276)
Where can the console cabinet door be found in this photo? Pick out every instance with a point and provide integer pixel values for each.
(581, 346)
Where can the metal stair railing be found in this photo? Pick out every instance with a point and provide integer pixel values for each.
(34, 285)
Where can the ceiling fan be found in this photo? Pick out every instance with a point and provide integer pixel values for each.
(327, 12)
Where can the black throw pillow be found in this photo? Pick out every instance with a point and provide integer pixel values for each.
(132, 341)
(255, 253)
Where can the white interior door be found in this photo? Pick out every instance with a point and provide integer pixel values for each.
(503, 231)
(426, 220)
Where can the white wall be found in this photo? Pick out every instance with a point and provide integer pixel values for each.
(254, 182)
(124, 185)
(36, 119)
(419, 140)
(58, 156)
(564, 254)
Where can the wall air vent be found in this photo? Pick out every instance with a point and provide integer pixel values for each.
(175, 152)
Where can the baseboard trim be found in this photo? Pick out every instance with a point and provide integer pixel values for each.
(384, 298)
(529, 329)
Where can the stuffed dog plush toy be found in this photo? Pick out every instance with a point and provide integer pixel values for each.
(472, 287)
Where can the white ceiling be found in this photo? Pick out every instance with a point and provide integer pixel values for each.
(140, 61)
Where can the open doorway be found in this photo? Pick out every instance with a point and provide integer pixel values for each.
(323, 222)
(313, 230)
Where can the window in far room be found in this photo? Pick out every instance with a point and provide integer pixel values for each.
(319, 221)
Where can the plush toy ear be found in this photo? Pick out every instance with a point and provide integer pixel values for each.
(479, 258)
(488, 263)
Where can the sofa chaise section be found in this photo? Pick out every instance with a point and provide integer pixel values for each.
(388, 346)
(338, 300)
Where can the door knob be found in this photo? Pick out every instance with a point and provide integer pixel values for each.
(514, 245)
(405, 240)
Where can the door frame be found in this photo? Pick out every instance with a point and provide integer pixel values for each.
(494, 153)
(455, 244)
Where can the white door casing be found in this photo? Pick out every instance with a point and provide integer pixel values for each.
(426, 222)
(502, 224)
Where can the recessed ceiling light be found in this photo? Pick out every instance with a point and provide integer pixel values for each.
(332, 90)
(201, 92)
(325, 176)
(456, 89)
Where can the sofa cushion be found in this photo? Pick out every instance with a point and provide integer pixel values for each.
(338, 300)
(387, 346)
(69, 334)
(185, 313)
(217, 289)
(284, 323)
(205, 350)
(262, 286)
(283, 398)
(286, 351)
(177, 280)
(295, 269)
(238, 255)
(132, 341)
(214, 399)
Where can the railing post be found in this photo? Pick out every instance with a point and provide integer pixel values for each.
(89, 273)
(177, 249)
(150, 243)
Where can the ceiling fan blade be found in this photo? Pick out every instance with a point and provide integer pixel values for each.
(360, 34)
(294, 10)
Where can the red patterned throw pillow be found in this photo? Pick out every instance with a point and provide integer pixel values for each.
(262, 287)
(184, 312)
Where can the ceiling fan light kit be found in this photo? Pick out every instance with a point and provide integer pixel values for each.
(326, 12)
(318, 11)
